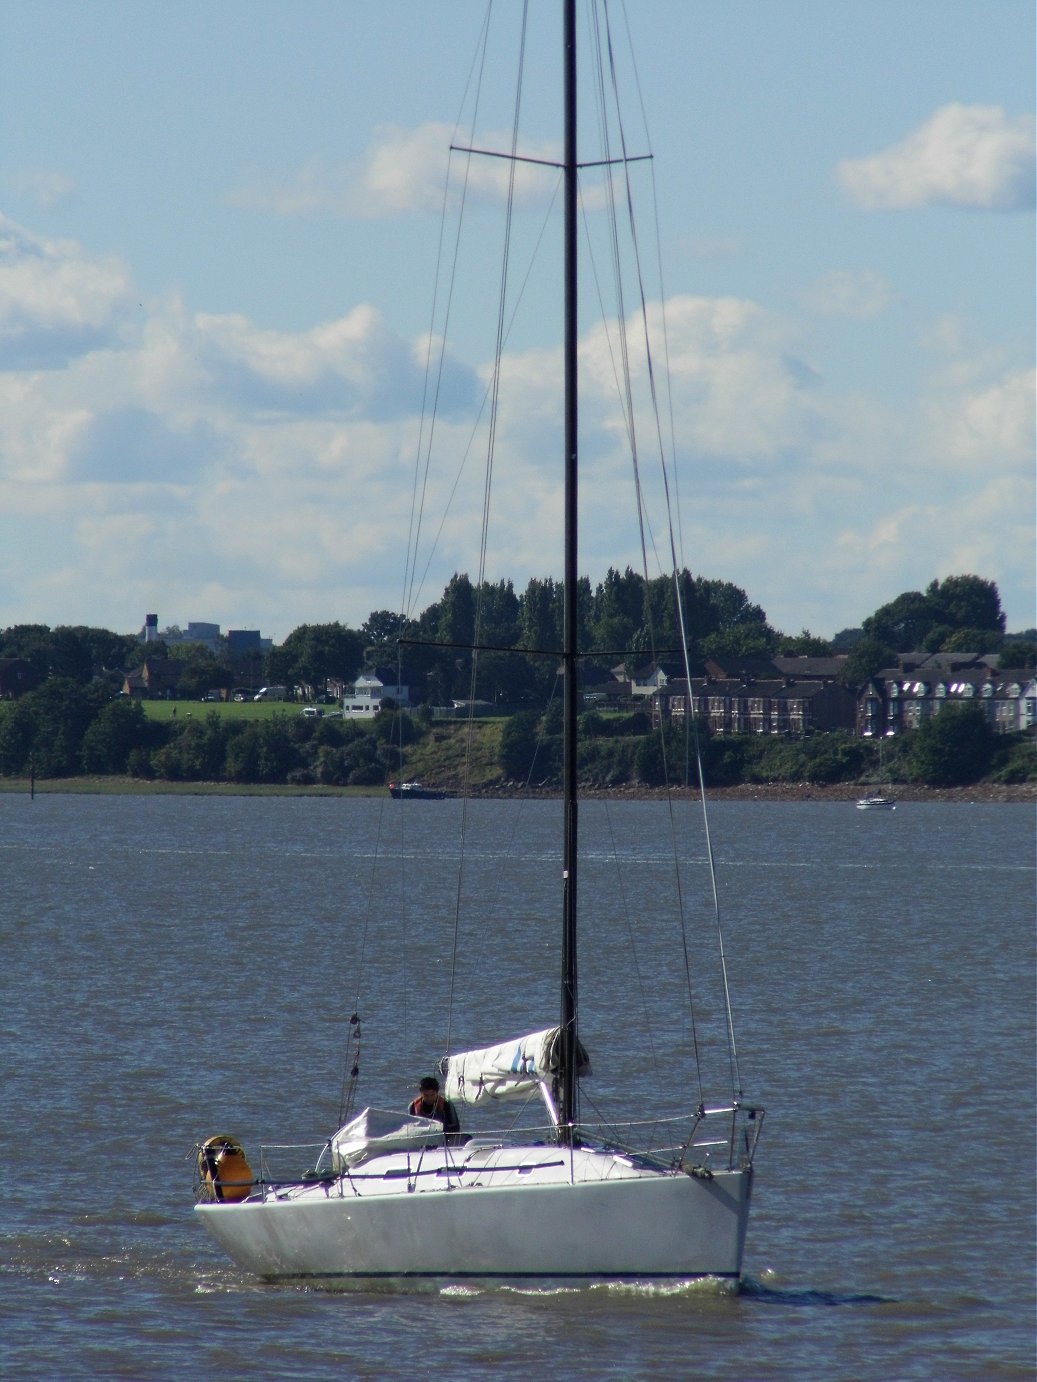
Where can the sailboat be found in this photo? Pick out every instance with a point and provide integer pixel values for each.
(877, 801)
(398, 1197)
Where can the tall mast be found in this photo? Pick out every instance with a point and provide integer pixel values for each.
(567, 1092)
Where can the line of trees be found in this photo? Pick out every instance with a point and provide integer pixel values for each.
(62, 729)
(621, 619)
(74, 720)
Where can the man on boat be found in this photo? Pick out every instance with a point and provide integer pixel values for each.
(431, 1104)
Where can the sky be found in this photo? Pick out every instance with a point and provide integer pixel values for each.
(218, 245)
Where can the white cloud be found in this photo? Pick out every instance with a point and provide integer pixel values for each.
(963, 156)
(56, 301)
(949, 490)
(991, 426)
(46, 187)
(859, 294)
(404, 170)
(741, 386)
(182, 459)
(352, 365)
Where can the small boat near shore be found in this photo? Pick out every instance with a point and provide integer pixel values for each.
(876, 803)
(414, 791)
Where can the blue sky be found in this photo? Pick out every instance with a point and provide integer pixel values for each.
(217, 251)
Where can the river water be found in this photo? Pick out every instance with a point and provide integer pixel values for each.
(171, 967)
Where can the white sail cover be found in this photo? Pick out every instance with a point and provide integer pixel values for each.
(510, 1070)
(377, 1130)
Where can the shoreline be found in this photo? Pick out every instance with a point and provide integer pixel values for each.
(841, 792)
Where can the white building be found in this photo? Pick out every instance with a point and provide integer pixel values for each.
(369, 690)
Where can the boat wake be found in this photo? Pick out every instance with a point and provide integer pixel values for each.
(754, 1289)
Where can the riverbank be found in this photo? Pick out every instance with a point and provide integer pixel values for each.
(981, 792)
(842, 792)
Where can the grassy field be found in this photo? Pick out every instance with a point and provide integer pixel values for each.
(139, 787)
(226, 710)
(439, 758)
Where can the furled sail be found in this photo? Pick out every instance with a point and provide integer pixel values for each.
(375, 1130)
(511, 1070)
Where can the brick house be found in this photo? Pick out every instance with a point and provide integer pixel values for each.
(905, 697)
(768, 705)
(16, 677)
(155, 679)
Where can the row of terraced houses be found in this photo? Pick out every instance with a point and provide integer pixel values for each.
(797, 696)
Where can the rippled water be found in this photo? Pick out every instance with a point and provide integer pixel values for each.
(173, 967)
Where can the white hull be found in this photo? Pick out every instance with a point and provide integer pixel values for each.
(549, 1214)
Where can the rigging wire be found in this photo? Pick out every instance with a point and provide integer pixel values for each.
(622, 369)
(494, 398)
(351, 1069)
(628, 922)
(672, 526)
(625, 386)
(424, 447)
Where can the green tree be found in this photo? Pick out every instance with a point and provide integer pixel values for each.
(117, 730)
(866, 657)
(661, 757)
(518, 745)
(200, 671)
(32, 643)
(243, 754)
(971, 640)
(380, 630)
(804, 644)
(314, 652)
(968, 602)
(504, 678)
(393, 726)
(954, 747)
(748, 640)
(59, 712)
(904, 623)
(1020, 652)
(278, 752)
(498, 614)
(196, 751)
(457, 613)
(363, 764)
(70, 657)
(139, 651)
(617, 611)
(17, 731)
(107, 651)
(928, 621)
(539, 611)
